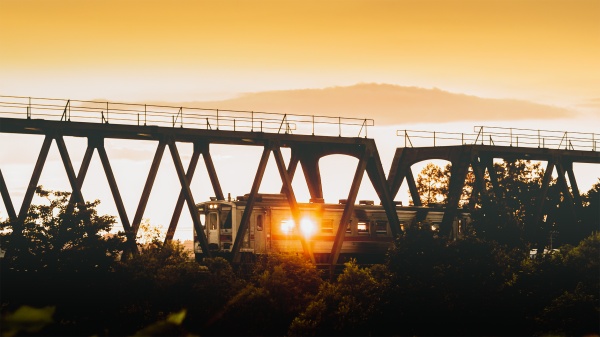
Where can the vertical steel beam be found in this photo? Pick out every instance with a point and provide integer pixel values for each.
(377, 176)
(289, 192)
(212, 173)
(479, 187)
(137, 219)
(114, 188)
(348, 209)
(10, 209)
(179, 205)
(64, 154)
(244, 223)
(35, 177)
(537, 218)
(189, 198)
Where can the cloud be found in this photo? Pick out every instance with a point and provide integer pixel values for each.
(387, 104)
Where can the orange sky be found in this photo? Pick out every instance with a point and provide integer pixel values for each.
(546, 51)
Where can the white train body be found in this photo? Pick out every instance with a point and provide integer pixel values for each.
(272, 228)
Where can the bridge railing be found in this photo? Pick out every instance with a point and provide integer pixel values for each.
(491, 135)
(173, 116)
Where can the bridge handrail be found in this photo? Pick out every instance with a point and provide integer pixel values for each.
(501, 136)
(179, 116)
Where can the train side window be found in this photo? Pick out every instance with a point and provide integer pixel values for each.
(327, 226)
(227, 216)
(381, 227)
(259, 222)
(362, 227)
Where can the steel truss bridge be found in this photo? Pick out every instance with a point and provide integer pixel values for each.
(309, 137)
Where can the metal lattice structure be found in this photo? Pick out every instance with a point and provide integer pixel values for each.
(68, 118)
(559, 149)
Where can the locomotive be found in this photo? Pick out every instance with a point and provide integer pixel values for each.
(272, 228)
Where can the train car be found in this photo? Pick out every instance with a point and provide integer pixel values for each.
(272, 228)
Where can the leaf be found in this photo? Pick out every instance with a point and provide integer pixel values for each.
(28, 319)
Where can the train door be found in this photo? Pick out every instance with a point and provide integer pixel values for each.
(260, 227)
(212, 226)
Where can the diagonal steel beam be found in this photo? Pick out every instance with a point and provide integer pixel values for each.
(189, 198)
(35, 177)
(114, 188)
(489, 164)
(377, 176)
(244, 223)
(348, 209)
(576, 194)
(565, 189)
(458, 174)
(289, 192)
(85, 164)
(64, 155)
(212, 173)
(412, 187)
(12, 215)
(137, 219)
(179, 205)
(292, 166)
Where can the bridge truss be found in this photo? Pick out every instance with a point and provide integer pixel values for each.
(202, 128)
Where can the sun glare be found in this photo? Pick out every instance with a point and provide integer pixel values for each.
(308, 227)
(287, 226)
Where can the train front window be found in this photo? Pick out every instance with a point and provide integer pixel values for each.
(212, 221)
(226, 219)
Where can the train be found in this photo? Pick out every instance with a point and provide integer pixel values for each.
(273, 230)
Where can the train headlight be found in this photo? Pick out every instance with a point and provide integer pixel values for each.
(287, 226)
(308, 227)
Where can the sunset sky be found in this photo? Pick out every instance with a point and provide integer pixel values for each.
(546, 51)
(543, 52)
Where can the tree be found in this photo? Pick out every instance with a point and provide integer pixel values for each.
(348, 306)
(62, 255)
(280, 288)
(53, 239)
(432, 184)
